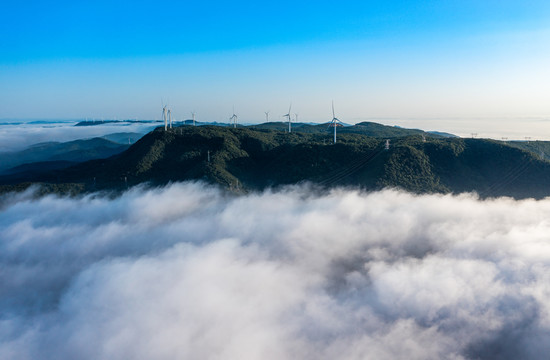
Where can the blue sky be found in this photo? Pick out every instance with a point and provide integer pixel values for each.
(376, 59)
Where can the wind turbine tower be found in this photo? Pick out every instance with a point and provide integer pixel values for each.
(165, 117)
(287, 115)
(170, 117)
(234, 118)
(193, 116)
(334, 122)
(267, 116)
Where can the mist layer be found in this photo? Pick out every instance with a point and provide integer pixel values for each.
(188, 271)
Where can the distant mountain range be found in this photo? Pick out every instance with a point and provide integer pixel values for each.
(260, 156)
(103, 122)
(47, 156)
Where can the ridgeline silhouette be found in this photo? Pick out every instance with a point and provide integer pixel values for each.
(261, 156)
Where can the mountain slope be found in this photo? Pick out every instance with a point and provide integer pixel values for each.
(364, 128)
(245, 158)
(68, 152)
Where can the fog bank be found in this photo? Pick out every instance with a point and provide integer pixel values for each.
(188, 271)
(16, 136)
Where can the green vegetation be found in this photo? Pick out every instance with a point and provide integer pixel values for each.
(45, 189)
(538, 148)
(244, 159)
(70, 152)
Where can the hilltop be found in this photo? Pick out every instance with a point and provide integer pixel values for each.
(364, 128)
(253, 158)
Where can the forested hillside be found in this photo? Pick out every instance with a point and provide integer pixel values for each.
(245, 159)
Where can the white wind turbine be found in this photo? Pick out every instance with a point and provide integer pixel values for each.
(165, 116)
(287, 115)
(334, 122)
(234, 118)
(266, 116)
(193, 116)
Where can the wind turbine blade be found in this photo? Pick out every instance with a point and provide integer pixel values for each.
(333, 116)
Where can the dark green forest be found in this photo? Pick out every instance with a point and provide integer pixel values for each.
(253, 158)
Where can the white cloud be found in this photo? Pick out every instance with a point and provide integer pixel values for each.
(18, 136)
(188, 271)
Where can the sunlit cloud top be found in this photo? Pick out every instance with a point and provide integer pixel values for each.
(282, 275)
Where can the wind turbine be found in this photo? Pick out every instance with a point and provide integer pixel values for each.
(170, 117)
(295, 117)
(288, 116)
(267, 116)
(193, 115)
(334, 122)
(165, 116)
(234, 118)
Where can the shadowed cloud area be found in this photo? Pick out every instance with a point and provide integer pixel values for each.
(188, 271)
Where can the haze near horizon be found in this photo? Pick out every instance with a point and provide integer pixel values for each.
(402, 62)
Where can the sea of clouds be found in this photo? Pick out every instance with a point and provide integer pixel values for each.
(16, 136)
(191, 272)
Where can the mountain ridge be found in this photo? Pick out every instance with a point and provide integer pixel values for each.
(254, 158)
